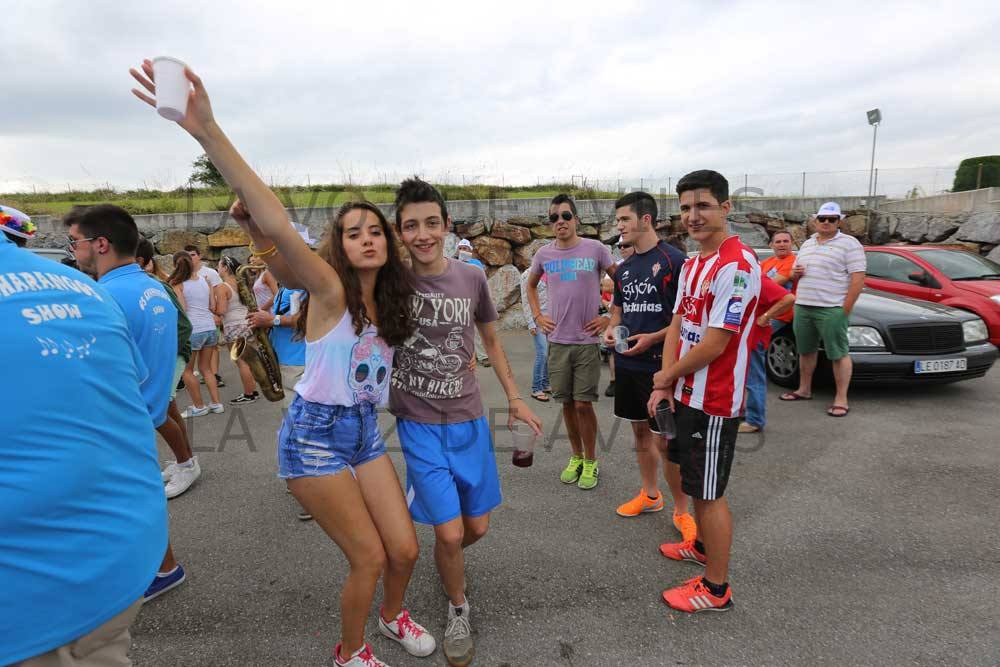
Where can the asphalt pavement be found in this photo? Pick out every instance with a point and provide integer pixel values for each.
(865, 540)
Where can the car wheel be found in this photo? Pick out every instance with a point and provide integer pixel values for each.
(782, 359)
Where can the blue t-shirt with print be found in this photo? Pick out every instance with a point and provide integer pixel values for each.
(646, 288)
(83, 518)
(152, 319)
(289, 352)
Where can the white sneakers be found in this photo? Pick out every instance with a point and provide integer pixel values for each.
(363, 657)
(408, 634)
(459, 647)
(180, 476)
(192, 411)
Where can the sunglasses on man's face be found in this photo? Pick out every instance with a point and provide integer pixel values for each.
(624, 246)
(565, 215)
(828, 219)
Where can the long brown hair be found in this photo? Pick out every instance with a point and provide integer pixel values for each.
(183, 268)
(393, 285)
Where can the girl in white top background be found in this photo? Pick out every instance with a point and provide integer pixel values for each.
(234, 323)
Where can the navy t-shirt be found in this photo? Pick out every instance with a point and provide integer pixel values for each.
(645, 289)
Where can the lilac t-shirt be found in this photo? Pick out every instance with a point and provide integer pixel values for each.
(432, 382)
(574, 286)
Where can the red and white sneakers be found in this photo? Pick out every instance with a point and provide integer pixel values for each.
(407, 633)
(363, 657)
(683, 551)
(693, 596)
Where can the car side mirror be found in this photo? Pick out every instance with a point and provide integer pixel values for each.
(918, 277)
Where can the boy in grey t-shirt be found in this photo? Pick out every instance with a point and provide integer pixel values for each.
(451, 475)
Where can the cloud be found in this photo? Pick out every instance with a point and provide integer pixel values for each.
(511, 91)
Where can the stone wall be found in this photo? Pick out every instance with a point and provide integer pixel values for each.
(507, 244)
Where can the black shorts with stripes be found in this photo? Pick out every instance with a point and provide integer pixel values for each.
(704, 450)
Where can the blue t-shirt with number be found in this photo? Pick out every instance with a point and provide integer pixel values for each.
(83, 518)
(152, 319)
(645, 289)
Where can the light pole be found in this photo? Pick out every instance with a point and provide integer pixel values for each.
(874, 118)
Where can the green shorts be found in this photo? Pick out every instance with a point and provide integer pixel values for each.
(574, 372)
(814, 323)
(179, 367)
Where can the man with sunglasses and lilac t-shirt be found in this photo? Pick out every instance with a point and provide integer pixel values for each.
(574, 267)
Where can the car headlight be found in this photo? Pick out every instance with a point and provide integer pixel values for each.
(996, 297)
(975, 331)
(864, 337)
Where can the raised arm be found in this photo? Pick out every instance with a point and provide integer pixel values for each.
(315, 274)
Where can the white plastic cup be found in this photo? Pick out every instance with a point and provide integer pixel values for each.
(172, 87)
(524, 444)
(621, 339)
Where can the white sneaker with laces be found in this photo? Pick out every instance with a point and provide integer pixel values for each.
(194, 412)
(459, 648)
(362, 658)
(184, 476)
(168, 471)
(217, 408)
(407, 633)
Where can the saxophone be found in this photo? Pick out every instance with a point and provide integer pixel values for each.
(257, 351)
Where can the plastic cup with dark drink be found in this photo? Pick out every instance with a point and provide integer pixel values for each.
(665, 420)
(524, 444)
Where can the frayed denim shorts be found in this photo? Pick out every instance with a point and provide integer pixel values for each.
(317, 439)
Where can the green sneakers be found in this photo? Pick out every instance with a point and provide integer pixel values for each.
(572, 471)
(588, 478)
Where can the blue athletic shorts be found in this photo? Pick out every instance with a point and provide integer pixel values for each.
(451, 470)
(317, 439)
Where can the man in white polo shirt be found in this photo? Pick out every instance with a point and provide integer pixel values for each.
(830, 270)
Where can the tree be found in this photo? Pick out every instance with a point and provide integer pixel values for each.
(968, 173)
(206, 173)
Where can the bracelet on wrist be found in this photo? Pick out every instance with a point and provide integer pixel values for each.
(262, 253)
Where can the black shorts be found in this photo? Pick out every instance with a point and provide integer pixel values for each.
(704, 450)
(632, 392)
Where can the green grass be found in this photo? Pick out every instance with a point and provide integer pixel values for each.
(138, 202)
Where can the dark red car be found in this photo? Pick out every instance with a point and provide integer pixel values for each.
(942, 274)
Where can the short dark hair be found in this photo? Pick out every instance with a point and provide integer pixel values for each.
(107, 220)
(19, 241)
(563, 198)
(641, 203)
(144, 251)
(783, 231)
(416, 191)
(192, 248)
(706, 179)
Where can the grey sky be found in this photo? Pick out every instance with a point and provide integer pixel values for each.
(513, 91)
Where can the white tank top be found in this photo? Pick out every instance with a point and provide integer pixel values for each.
(343, 368)
(261, 291)
(236, 312)
(196, 295)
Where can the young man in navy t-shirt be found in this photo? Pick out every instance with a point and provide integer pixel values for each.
(645, 290)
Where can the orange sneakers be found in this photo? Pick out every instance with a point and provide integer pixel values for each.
(641, 503)
(693, 596)
(683, 551)
(685, 525)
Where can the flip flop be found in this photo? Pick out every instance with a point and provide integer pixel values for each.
(793, 396)
(540, 396)
(830, 410)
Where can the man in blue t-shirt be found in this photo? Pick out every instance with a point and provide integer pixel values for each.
(83, 521)
(645, 291)
(104, 239)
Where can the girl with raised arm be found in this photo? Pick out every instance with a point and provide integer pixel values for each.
(330, 450)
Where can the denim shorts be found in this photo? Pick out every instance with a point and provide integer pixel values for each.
(317, 439)
(204, 339)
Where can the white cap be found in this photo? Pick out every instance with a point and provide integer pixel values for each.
(465, 243)
(829, 209)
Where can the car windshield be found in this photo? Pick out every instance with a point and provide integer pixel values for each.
(959, 265)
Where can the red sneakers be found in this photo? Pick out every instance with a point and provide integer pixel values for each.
(683, 551)
(693, 596)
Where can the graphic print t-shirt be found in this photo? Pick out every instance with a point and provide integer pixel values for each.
(646, 289)
(432, 382)
(718, 292)
(574, 286)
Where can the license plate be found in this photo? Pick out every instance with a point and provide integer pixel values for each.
(940, 365)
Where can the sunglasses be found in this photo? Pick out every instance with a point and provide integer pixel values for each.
(73, 242)
(624, 246)
(828, 219)
(565, 215)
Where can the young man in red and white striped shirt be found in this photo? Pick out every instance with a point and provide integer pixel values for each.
(704, 381)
